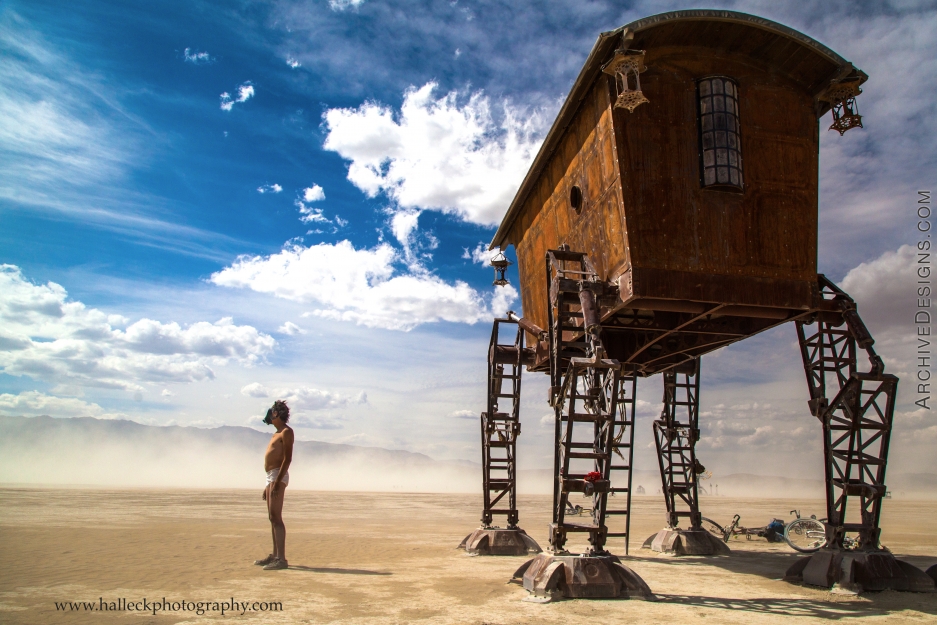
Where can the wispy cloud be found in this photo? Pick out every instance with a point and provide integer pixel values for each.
(269, 188)
(293, 63)
(341, 5)
(197, 58)
(67, 145)
(445, 154)
(480, 255)
(245, 92)
(56, 122)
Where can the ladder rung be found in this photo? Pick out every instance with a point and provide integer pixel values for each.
(583, 417)
(587, 455)
(578, 527)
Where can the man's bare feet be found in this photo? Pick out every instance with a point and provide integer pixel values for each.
(266, 560)
(276, 565)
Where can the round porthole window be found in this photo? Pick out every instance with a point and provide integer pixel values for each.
(575, 199)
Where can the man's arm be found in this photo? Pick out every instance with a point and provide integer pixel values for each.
(287, 456)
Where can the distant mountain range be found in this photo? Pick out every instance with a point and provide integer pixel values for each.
(101, 452)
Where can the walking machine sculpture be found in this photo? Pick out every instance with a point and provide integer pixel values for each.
(659, 247)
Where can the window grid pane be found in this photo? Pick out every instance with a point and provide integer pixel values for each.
(720, 145)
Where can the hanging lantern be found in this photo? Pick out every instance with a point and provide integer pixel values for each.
(626, 66)
(841, 96)
(500, 263)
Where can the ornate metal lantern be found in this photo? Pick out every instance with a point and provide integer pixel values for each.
(500, 263)
(626, 66)
(841, 97)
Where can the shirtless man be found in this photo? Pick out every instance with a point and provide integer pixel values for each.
(276, 462)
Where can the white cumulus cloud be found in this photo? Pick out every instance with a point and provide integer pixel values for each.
(34, 403)
(46, 337)
(886, 294)
(293, 63)
(304, 398)
(311, 214)
(437, 154)
(269, 188)
(290, 328)
(361, 285)
(244, 93)
(313, 194)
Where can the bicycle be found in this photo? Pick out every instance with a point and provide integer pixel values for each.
(805, 535)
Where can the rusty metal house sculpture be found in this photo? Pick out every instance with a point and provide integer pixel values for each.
(671, 211)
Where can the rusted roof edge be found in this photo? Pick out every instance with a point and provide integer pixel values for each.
(593, 66)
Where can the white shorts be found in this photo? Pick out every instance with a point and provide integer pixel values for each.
(272, 475)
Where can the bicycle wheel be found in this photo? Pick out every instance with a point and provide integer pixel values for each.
(805, 535)
(714, 528)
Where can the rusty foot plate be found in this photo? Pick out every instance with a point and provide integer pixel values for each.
(552, 577)
(859, 571)
(494, 541)
(687, 543)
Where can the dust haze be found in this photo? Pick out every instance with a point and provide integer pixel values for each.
(111, 453)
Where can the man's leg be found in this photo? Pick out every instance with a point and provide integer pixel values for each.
(275, 510)
(270, 515)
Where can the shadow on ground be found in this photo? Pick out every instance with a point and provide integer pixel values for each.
(772, 565)
(871, 604)
(311, 569)
(768, 564)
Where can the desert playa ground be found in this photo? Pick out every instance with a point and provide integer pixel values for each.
(391, 558)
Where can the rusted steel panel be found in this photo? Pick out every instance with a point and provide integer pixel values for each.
(747, 290)
(675, 225)
(584, 158)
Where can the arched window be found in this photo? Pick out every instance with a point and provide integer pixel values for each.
(720, 145)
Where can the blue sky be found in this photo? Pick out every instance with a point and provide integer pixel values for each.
(246, 200)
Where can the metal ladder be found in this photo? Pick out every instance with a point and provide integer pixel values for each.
(500, 426)
(623, 454)
(676, 446)
(586, 389)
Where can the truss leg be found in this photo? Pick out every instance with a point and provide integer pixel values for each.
(856, 426)
(500, 427)
(588, 391)
(679, 467)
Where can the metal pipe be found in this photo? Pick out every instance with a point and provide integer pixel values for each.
(532, 328)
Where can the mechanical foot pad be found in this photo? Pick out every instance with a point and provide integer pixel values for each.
(551, 577)
(853, 572)
(687, 543)
(494, 541)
